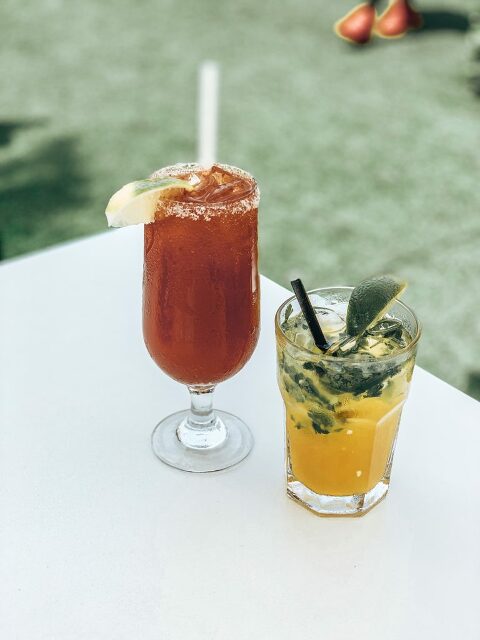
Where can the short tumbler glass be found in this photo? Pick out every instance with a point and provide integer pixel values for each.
(343, 467)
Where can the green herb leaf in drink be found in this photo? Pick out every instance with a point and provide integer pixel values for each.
(322, 422)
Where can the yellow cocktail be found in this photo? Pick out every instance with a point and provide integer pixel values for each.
(342, 407)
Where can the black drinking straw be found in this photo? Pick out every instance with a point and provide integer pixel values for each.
(309, 313)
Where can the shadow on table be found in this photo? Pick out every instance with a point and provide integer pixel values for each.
(34, 189)
(439, 20)
(473, 384)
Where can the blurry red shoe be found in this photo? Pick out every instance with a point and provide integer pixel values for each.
(356, 27)
(397, 19)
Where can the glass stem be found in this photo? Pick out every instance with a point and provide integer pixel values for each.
(201, 429)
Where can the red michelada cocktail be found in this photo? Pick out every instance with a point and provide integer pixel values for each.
(201, 298)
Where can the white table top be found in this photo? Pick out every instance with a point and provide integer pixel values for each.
(100, 540)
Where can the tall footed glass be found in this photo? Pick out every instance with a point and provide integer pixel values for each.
(201, 306)
(342, 412)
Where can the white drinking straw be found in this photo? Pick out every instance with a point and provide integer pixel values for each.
(207, 113)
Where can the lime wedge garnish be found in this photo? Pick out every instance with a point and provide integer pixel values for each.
(370, 300)
(136, 202)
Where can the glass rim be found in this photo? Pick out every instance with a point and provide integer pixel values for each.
(250, 200)
(358, 360)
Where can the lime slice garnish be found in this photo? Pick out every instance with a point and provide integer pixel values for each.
(136, 202)
(370, 300)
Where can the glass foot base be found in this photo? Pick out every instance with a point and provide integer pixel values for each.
(323, 505)
(232, 439)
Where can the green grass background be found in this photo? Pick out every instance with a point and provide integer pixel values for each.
(368, 159)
